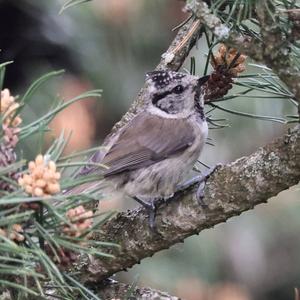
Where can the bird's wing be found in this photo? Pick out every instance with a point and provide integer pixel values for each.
(146, 140)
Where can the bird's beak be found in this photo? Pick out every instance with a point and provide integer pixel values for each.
(203, 80)
(200, 82)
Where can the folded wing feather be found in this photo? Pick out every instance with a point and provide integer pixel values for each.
(146, 140)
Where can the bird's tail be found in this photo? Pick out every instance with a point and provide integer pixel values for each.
(89, 170)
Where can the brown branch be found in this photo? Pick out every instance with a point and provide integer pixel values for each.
(116, 290)
(234, 188)
(108, 289)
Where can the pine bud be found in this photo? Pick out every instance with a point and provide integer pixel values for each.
(42, 180)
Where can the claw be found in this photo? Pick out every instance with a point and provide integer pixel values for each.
(200, 195)
(200, 191)
(151, 208)
(152, 215)
(201, 180)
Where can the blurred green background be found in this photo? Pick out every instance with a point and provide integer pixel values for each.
(111, 45)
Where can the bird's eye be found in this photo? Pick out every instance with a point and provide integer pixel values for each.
(178, 89)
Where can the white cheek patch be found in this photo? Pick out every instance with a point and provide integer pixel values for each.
(152, 89)
(158, 112)
(201, 99)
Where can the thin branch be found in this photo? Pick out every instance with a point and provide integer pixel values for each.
(276, 50)
(115, 290)
(273, 49)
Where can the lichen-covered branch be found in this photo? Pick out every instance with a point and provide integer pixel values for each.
(116, 290)
(276, 48)
(108, 290)
(232, 189)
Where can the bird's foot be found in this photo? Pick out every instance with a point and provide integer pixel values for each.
(201, 180)
(202, 183)
(151, 207)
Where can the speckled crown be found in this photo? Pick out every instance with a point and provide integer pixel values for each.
(163, 78)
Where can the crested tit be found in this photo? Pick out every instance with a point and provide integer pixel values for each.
(153, 153)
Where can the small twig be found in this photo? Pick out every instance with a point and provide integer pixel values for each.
(182, 23)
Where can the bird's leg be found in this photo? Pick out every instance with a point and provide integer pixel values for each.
(151, 208)
(151, 205)
(190, 182)
(201, 180)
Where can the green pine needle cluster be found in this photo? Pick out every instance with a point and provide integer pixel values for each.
(33, 266)
(240, 16)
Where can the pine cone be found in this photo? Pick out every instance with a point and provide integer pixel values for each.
(218, 84)
(231, 61)
(227, 64)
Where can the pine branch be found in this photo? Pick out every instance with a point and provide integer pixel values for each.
(233, 189)
(111, 289)
(117, 290)
(273, 47)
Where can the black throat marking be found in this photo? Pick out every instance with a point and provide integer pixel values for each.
(198, 108)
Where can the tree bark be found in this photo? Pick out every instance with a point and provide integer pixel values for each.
(116, 290)
(232, 189)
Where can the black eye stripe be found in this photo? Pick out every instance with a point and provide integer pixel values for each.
(157, 97)
(177, 90)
